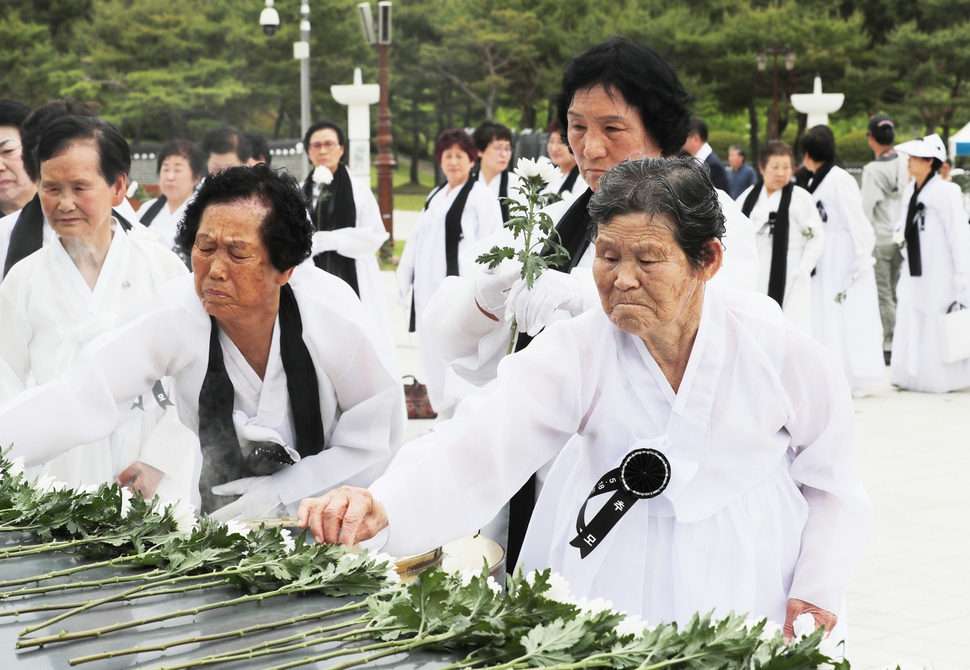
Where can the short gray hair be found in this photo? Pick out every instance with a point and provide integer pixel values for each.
(679, 190)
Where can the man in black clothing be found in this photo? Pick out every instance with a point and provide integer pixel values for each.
(697, 146)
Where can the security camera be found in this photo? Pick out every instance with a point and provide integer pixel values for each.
(269, 18)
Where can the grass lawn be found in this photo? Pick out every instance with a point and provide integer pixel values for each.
(406, 195)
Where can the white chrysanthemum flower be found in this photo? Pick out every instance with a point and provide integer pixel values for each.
(184, 515)
(322, 175)
(16, 467)
(804, 625)
(899, 238)
(559, 589)
(567, 196)
(467, 575)
(236, 528)
(494, 585)
(288, 542)
(595, 606)
(126, 496)
(772, 628)
(526, 168)
(633, 625)
(388, 560)
(47, 483)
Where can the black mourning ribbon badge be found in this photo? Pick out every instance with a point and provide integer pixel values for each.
(643, 474)
(267, 458)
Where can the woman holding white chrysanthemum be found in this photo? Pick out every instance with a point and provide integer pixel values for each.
(456, 214)
(348, 224)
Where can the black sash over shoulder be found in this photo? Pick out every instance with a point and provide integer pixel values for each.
(335, 209)
(152, 212)
(778, 225)
(222, 459)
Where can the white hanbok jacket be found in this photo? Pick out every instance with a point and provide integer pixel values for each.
(49, 314)
(361, 401)
(764, 504)
(362, 242)
(845, 303)
(806, 242)
(945, 252)
(474, 345)
(423, 266)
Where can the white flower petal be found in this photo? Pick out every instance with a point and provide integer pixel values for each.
(126, 496)
(236, 528)
(322, 175)
(633, 625)
(16, 467)
(526, 167)
(184, 515)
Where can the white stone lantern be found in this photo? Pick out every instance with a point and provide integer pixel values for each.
(358, 97)
(817, 105)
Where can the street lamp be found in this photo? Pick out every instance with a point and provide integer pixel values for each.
(269, 19)
(385, 158)
(762, 58)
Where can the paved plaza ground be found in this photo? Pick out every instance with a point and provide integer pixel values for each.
(909, 595)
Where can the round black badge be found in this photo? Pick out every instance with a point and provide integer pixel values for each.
(645, 473)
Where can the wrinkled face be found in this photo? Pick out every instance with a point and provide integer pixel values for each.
(176, 179)
(497, 155)
(734, 159)
(233, 273)
(456, 165)
(642, 275)
(604, 130)
(559, 153)
(76, 199)
(325, 149)
(220, 162)
(15, 185)
(777, 172)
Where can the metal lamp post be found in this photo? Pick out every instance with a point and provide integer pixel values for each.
(385, 157)
(774, 51)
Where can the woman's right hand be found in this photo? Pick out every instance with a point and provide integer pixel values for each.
(347, 515)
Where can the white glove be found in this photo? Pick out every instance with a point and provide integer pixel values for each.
(492, 289)
(260, 499)
(323, 240)
(532, 308)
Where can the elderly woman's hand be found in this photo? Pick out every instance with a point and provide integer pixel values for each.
(348, 515)
(797, 607)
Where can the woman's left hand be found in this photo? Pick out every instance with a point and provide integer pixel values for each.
(797, 607)
(141, 477)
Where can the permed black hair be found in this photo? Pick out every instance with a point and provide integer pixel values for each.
(260, 148)
(645, 81)
(285, 230)
(13, 113)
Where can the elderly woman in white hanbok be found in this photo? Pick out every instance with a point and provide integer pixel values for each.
(779, 209)
(845, 303)
(935, 276)
(181, 166)
(275, 367)
(455, 216)
(348, 224)
(95, 276)
(732, 432)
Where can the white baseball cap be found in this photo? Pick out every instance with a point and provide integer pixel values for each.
(930, 146)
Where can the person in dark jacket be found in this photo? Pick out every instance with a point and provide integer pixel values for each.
(697, 146)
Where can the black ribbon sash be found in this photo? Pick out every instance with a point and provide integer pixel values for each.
(570, 180)
(453, 236)
(222, 458)
(27, 235)
(335, 209)
(815, 180)
(643, 474)
(915, 221)
(778, 224)
(150, 213)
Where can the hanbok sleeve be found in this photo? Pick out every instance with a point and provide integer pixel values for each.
(405, 267)
(15, 336)
(91, 398)
(741, 262)
(369, 426)
(805, 215)
(958, 236)
(366, 238)
(451, 482)
(840, 515)
(849, 199)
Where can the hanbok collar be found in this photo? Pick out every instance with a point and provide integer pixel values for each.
(260, 395)
(93, 299)
(677, 402)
